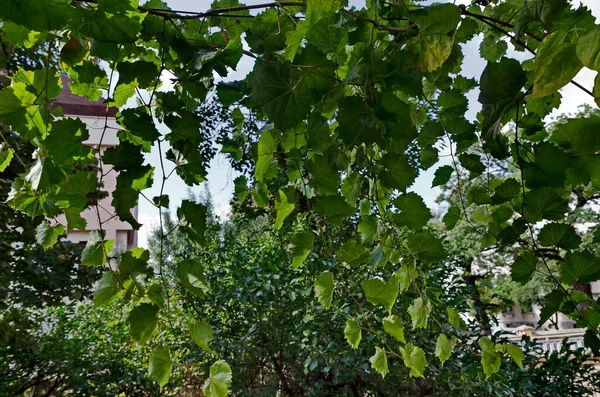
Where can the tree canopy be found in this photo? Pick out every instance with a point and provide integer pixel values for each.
(343, 110)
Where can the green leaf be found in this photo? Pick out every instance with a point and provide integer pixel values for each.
(126, 195)
(379, 362)
(382, 293)
(443, 348)
(334, 208)
(202, 334)
(496, 98)
(455, 319)
(419, 312)
(219, 380)
(160, 365)
(157, 295)
(393, 326)
(552, 304)
(107, 289)
(544, 203)
(46, 235)
(452, 217)
(6, 155)
(548, 168)
(492, 49)
(267, 145)
(368, 229)
(301, 245)
(96, 249)
(39, 15)
(578, 136)
(44, 174)
(426, 246)
(490, 358)
(138, 128)
(406, 275)
(283, 208)
(442, 175)
(113, 21)
(581, 267)
(414, 359)
(547, 11)
(414, 214)
(399, 174)
(279, 93)
(19, 109)
(40, 81)
(353, 333)
(20, 36)
(523, 268)
(191, 276)
(515, 353)
(192, 220)
(437, 18)
(556, 63)
(472, 162)
(352, 253)
(324, 179)
(430, 133)
(507, 190)
(588, 48)
(88, 80)
(65, 141)
(560, 235)
(143, 321)
(324, 289)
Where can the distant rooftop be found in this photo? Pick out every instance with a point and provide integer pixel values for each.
(80, 106)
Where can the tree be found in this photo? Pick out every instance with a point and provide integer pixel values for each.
(269, 320)
(355, 104)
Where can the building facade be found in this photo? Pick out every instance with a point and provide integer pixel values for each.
(517, 317)
(102, 126)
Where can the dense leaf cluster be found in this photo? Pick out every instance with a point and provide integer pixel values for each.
(354, 105)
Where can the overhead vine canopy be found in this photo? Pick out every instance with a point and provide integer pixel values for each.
(354, 104)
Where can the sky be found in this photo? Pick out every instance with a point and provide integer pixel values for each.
(221, 176)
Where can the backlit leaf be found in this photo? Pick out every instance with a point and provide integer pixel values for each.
(324, 289)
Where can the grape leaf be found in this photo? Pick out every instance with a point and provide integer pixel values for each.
(556, 63)
(414, 214)
(414, 359)
(219, 380)
(202, 334)
(47, 236)
(324, 287)
(382, 293)
(393, 326)
(143, 321)
(523, 268)
(419, 312)
(443, 348)
(353, 333)
(160, 365)
(301, 245)
(379, 362)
